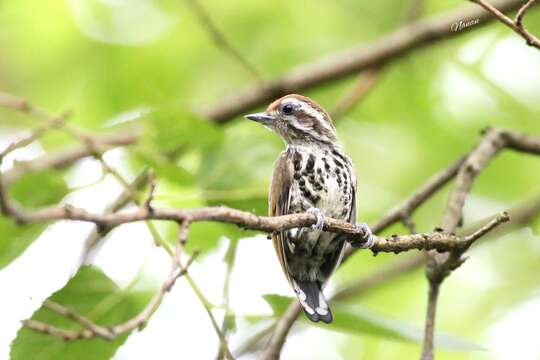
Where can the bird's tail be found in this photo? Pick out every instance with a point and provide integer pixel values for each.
(310, 295)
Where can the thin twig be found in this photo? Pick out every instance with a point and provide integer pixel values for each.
(427, 347)
(93, 330)
(221, 40)
(33, 136)
(15, 103)
(364, 84)
(283, 327)
(208, 308)
(230, 259)
(521, 13)
(63, 158)
(517, 24)
(96, 329)
(148, 201)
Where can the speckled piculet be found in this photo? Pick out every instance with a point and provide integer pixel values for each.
(312, 175)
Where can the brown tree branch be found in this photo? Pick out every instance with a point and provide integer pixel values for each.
(281, 331)
(429, 326)
(519, 215)
(441, 241)
(519, 142)
(405, 209)
(517, 24)
(390, 47)
(439, 266)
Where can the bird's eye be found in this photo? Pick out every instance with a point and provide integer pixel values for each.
(287, 109)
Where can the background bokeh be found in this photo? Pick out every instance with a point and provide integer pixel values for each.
(114, 64)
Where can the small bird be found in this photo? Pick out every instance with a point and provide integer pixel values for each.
(311, 175)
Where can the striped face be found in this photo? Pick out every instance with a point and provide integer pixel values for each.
(298, 120)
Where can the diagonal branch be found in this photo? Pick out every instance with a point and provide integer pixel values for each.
(418, 34)
(441, 265)
(221, 40)
(95, 329)
(517, 24)
(66, 157)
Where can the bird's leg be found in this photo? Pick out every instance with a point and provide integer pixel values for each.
(367, 239)
(320, 218)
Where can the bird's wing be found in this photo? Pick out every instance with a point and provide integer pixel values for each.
(278, 203)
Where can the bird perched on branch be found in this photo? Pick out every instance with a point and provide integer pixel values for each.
(312, 175)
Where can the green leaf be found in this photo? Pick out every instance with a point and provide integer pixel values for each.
(237, 173)
(14, 239)
(32, 190)
(170, 133)
(165, 168)
(85, 293)
(169, 129)
(39, 188)
(359, 321)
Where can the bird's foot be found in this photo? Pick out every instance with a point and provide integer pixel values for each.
(320, 218)
(367, 238)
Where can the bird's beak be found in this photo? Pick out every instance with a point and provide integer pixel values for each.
(262, 118)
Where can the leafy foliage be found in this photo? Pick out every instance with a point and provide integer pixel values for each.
(90, 293)
(33, 190)
(426, 109)
(14, 239)
(52, 188)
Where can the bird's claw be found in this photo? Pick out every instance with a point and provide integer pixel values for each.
(320, 218)
(367, 239)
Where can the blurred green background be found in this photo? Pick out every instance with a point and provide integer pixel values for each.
(104, 61)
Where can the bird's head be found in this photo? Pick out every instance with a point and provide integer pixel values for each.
(298, 120)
